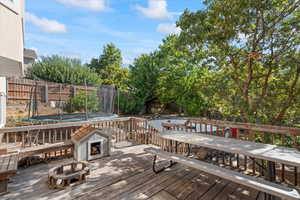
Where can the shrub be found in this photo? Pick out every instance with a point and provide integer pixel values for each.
(62, 70)
(79, 101)
(129, 104)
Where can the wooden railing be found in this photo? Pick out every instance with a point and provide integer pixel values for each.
(29, 136)
(277, 135)
(140, 131)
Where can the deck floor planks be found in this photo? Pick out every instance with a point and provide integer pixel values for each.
(121, 186)
(163, 195)
(173, 179)
(227, 191)
(138, 192)
(174, 189)
(126, 175)
(243, 193)
(213, 191)
(203, 185)
(104, 182)
(187, 188)
(132, 168)
(124, 188)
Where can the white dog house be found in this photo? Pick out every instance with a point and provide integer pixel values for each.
(91, 143)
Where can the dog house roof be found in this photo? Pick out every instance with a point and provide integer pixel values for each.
(82, 132)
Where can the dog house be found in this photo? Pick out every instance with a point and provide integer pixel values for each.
(91, 143)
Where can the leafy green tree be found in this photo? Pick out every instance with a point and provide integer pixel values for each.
(109, 67)
(114, 75)
(111, 55)
(143, 79)
(180, 76)
(254, 45)
(62, 70)
(129, 104)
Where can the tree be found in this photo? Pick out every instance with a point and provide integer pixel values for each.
(143, 79)
(256, 45)
(109, 67)
(82, 101)
(114, 75)
(111, 55)
(180, 77)
(62, 70)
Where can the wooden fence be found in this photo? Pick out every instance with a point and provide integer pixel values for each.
(140, 131)
(19, 90)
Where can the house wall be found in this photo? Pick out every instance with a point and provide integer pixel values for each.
(2, 103)
(11, 38)
(9, 67)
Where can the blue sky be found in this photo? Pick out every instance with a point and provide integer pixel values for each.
(80, 28)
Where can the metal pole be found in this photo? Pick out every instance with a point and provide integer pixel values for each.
(86, 108)
(118, 101)
(60, 116)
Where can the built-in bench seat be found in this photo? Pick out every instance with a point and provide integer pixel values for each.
(249, 181)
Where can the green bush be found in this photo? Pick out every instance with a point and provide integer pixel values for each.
(129, 104)
(63, 70)
(79, 101)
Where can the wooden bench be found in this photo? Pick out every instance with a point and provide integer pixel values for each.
(61, 177)
(8, 168)
(249, 181)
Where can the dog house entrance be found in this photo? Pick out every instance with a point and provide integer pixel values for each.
(95, 148)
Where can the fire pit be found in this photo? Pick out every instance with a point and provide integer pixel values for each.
(67, 175)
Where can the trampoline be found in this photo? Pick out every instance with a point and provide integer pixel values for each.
(74, 117)
(106, 96)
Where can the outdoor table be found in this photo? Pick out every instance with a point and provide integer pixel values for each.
(8, 168)
(284, 155)
(268, 152)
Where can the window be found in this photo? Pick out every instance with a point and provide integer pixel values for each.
(14, 5)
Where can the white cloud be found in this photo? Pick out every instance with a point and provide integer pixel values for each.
(46, 25)
(157, 9)
(168, 29)
(95, 5)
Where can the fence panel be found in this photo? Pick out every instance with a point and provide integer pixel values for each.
(24, 90)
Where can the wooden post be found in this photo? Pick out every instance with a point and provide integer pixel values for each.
(74, 91)
(46, 94)
(251, 136)
(43, 136)
(3, 186)
(238, 133)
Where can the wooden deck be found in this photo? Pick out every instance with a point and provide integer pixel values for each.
(127, 175)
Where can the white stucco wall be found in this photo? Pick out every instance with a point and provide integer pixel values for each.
(2, 101)
(12, 32)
